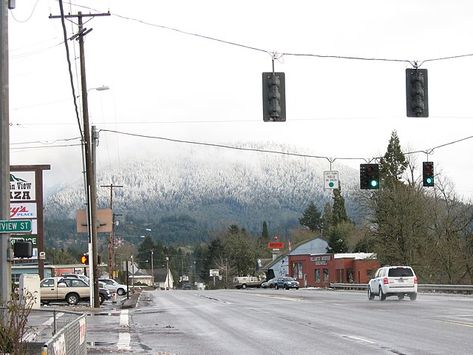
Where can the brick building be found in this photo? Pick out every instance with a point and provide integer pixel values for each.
(319, 270)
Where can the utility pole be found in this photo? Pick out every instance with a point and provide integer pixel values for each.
(89, 166)
(5, 267)
(111, 239)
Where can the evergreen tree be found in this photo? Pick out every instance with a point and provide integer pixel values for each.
(327, 218)
(311, 218)
(337, 238)
(394, 163)
(339, 213)
(265, 233)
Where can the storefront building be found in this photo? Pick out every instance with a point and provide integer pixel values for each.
(319, 270)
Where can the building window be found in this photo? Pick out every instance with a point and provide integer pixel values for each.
(317, 276)
(297, 270)
(326, 278)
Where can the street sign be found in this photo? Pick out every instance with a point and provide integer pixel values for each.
(15, 226)
(214, 272)
(331, 180)
(276, 245)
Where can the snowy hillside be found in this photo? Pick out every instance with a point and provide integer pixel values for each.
(215, 188)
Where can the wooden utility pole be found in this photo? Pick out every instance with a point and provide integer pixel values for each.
(111, 239)
(91, 190)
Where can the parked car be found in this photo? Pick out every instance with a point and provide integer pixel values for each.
(187, 286)
(114, 287)
(78, 276)
(72, 290)
(246, 281)
(286, 283)
(269, 283)
(393, 281)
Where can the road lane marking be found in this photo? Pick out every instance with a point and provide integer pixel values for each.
(124, 337)
(464, 324)
(358, 339)
(293, 299)
(124, 318)
(124, 341)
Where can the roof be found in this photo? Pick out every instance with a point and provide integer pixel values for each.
(314, 246)
(160, 275)
(356, 256)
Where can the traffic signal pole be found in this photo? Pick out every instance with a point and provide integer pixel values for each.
(5, 267)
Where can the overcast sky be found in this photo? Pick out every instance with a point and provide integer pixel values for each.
(167, 80)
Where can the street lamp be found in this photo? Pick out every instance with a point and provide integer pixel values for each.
(152, 268)
(167, 268)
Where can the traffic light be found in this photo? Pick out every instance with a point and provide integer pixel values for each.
(23, 249)
(84, 259)
(428, 173)
(417, 93)
(369, 176)
(274, 97)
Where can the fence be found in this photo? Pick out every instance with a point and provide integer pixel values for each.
(54, 332)
(421, 287)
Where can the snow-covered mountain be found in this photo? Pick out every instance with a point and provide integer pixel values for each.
(216, 187)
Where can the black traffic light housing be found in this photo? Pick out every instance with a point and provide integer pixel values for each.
(417, 93)
(428, 173)
(23, 249)
(274, 97)
(369, 176)
(84, 259)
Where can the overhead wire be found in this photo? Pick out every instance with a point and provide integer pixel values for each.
(70, 68)
(278, 55)
(225, 146)
(28, 18)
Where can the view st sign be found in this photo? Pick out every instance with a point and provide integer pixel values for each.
(15, 226)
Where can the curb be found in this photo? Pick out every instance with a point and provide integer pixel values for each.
(132, 301)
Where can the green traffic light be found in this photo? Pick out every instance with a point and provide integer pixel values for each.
(330, 184)
(373, 183)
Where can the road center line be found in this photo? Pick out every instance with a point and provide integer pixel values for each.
(124, 337)
(124, 318)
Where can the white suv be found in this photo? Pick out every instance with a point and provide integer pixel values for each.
(393, 281)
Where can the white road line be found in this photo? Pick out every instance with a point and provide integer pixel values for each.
(124, 337)
(124, 341)
(358, 339)
(51, 320)
(124, 318)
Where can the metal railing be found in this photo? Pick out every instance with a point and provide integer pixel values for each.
(421, 287)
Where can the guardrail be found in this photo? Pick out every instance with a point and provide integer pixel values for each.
(421, 287)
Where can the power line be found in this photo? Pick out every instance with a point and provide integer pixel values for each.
(224, 146)
(29, 17)
(69, 65)
(277, 55)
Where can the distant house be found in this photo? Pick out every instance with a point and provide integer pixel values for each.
(163, 279)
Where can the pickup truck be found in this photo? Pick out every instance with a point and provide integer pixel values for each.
(247, 281)
(71, 290)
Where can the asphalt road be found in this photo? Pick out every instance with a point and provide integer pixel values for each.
(305, 321)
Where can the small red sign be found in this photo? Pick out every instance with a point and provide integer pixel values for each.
(276, 245)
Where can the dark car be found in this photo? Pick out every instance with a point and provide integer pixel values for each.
(286, 283)
(187, 286)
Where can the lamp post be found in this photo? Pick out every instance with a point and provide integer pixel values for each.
(152, 268)
(167, 268)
